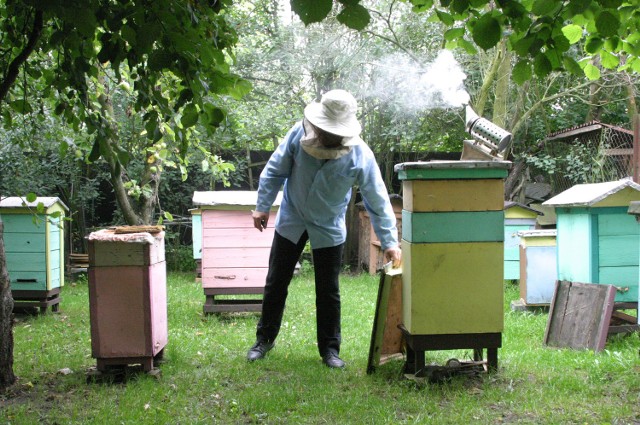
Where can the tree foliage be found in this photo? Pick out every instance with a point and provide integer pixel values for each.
(170, 58)
(540, 32)
(163, 64)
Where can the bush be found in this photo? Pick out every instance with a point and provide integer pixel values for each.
(180, 258)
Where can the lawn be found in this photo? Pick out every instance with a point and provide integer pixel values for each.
(205, 378)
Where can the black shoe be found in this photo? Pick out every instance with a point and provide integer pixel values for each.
(259, 350)
(332, 360)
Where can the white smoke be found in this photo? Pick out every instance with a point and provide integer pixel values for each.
(414, 88)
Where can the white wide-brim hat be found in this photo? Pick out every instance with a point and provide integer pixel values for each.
(335, 113)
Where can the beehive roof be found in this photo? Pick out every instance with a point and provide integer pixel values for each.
(587, 195)
(512, 204)
(21, 202)
(229, 197)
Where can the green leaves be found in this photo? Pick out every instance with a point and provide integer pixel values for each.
(421, 5)
(607, 23)
(572, 32)
(453, 33)
(189, 116)
(592, 72)
(541, 32)
(544, 7)
(354, 16)
(486, 32)
(311, 11)
(21, 106)
(521, 72)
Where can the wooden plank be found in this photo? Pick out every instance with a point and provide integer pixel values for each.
(579, 316)
(225, 277)
(23, 223)
(452, 170)
(24, 242)
(219, 219)
(486, 226)
(234, 258)
(26, 262)
(618, 250)
(109, 253)
(386, 337)
(238, 238)
(28, 281)
(453, 195)
(618, 223)
(625, 279)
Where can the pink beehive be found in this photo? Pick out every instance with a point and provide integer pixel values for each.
(235, 255)
(127, 298)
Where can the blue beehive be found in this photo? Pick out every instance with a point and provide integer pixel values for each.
(597, 240)
(34, 244)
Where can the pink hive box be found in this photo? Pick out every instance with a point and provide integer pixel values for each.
(235, 255)
(127, 298)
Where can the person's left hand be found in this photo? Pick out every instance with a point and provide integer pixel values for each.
(394, 255)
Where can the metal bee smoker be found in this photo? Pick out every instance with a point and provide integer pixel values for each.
(489, 139)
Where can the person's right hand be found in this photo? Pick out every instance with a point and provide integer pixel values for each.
(394, 254)
(260, 219)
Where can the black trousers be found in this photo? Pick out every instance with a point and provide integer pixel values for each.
(327, 265)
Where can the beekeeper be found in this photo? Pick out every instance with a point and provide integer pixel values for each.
(319, 161)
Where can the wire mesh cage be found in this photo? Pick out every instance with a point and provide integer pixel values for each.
(591, 153)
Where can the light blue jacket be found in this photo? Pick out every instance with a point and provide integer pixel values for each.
(317, 193)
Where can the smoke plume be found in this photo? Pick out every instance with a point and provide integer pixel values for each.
(412, 87)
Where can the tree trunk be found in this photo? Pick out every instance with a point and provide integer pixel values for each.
(6, 320)
(513, 182)
(595, 104)
(632, 106)
(132, 215)
(502, 88)
(488, 80)
(7, 80)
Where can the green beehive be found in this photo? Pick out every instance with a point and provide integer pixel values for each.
(597, 239)
(452, 240)
(453, 257)
(34, 244)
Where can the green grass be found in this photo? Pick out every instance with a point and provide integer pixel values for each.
(206, 379)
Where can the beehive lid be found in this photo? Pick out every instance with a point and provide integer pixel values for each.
(452, 169)
(615, 193)
(21, 202)
(229, 197)
(634, 208)
(538, 233)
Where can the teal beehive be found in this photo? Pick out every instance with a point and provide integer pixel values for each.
(34, 245)
(597, 240)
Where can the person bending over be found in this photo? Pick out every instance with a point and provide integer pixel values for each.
(319, 161)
